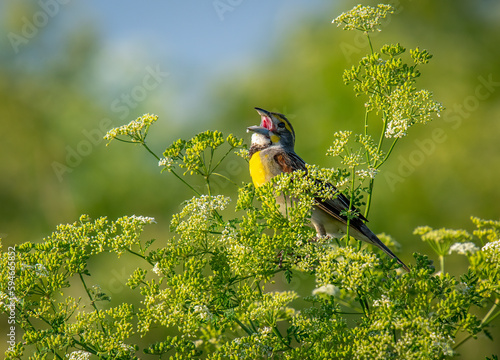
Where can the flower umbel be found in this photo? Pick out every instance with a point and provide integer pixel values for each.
(135, 131)
(364, 18)
(441, 239)
(465, 248)
(408, 107)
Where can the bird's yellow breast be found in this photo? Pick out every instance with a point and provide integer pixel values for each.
(258, 170)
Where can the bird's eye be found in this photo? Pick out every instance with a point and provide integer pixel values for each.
(281, 124)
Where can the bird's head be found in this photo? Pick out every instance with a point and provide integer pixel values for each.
(274, 129)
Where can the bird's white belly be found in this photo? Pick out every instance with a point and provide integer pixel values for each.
(324, 223)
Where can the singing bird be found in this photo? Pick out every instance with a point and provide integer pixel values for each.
(272, 153)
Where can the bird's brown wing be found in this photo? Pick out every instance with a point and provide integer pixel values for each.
(337, 205)
(289, 162)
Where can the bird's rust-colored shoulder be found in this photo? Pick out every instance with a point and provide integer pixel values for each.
(289, 161)
(283, 162)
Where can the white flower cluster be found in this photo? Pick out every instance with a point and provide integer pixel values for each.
(207, 203)
(492, 250)
(328, 289)
(465, 289)
(384, 301)
(3, 300)
(198, 212)
(408, 108)
(127, 348)
(265, 330)
(144, 219)
(369, 173)
(39, 269)
(342, 182)
(198, 343)
(79, 355)
(156, 269)
(465, 248)
(397, 127)
(203, 312)
(442, 342)
(166, 162)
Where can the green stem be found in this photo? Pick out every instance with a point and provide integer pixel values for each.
(151, 152)
(382, 135)
(88, 293)
(254, 328)
(86, 347)
(365, 132)
(347, 312)
(441, 263)
(350, 202)
(388, 153)
(207, 180)
(243, 278)
(357, 311)
(91, 300)
(259, 288)
(368, 160)
(363, 304)
(212, 150)
(370, 43)
(496, 303)
(126, 141)
(369, 198)
(224, 177)
(377, 165)
(243, 327)
(222, 159)
(137, 254)
(185, 183)
(486, 320)
(278, 334)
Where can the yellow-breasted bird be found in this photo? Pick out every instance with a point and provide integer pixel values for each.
(272, 153)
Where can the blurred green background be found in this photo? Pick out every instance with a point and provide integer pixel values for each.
(71, 70)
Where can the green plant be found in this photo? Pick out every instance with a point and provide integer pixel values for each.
(208, 290)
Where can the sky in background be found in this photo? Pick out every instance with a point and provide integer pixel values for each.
(194, 41)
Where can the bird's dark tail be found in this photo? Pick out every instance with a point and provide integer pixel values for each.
(373, 239)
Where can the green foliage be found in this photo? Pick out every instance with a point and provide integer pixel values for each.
(209, 291)
(388, 84)
(210, 283)
(197, 156)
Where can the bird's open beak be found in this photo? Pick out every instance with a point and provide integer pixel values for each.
(266, 121)
(263, 112)
(259, 130)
